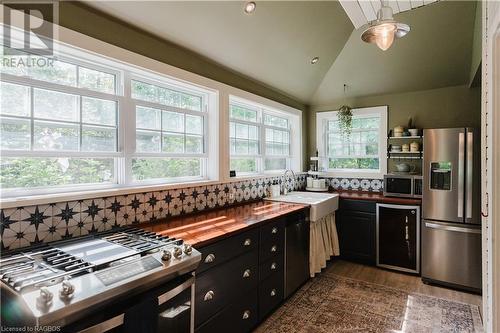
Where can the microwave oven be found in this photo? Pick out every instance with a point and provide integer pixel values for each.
(406, 186)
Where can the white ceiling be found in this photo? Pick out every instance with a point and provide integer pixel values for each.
(363, 11)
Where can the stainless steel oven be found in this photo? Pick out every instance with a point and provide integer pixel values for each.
(400, 185)
(167, 308)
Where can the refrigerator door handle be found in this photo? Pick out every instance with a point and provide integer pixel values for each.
(461, 176)
(470, 159)
(452, 228)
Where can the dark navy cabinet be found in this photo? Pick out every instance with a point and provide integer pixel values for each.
(241, 279)
(356, 227)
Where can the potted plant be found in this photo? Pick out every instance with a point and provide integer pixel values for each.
(345, 120)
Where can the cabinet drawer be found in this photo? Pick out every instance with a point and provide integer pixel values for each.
(226, 249)
(238, 317)
(358, 205)
(270, 294)
(219, 286)
(272, 232)
(272, 249)
(272, 267)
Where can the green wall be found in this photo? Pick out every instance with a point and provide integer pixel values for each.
(457, 106)
(475, 68)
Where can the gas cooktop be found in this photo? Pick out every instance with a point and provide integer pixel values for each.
(62, 278)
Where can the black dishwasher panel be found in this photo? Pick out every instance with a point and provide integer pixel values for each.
(297, 253)
(398, 237)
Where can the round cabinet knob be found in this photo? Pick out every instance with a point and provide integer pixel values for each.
(274, 230)
(247, 242)
(67, 289)
(209, 295)
(246, 273)
(210, 258)
(166, 256)
(273, 292)
(274, 248)
(273, 266)
(45, 298)
(188, 249)
(246, 314)
(177, 252)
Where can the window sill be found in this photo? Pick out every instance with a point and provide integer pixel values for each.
(348, 174)
(43, 199)
(250, 176)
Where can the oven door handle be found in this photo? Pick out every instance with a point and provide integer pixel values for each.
(105, 326)
(176, 291)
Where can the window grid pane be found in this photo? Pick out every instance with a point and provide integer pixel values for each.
(62, 72)
(243, 139)
(277, 142)
(56, 171)
(152, 93)
(360, 150)
(168, 132)
(58, 119)
(164, 168)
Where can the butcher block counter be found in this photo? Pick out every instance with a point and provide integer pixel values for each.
(206, 228)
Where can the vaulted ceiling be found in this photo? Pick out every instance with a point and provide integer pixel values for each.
(275, 44)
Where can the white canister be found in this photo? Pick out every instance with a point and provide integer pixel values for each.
(309, 182)
(275, 191)
(414, 146)
(322, 183)
(316, 183)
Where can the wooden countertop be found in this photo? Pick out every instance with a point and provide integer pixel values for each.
(377, 197)
(206, 228)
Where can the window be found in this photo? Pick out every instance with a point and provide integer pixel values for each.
(259, 138)
(170, 132)
(360, 154)
(58, 125)
(68, 125)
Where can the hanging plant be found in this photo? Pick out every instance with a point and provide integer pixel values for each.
(345, 121)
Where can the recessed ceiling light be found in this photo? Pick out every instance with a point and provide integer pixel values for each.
(250, 7)
(314, 60)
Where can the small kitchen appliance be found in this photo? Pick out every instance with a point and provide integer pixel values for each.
(403, 185)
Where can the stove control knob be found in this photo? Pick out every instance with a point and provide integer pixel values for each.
(67, 289)
(167, 255)
(177, 252)
(188, 249)
(44, 300)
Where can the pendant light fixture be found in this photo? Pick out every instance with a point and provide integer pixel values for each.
(384, 29)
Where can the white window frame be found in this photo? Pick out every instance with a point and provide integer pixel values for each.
(294, 124)
(126, 139)
(204, 113)
(322, 119)
(117, 155)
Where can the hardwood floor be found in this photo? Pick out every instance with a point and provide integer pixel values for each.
(406, 282)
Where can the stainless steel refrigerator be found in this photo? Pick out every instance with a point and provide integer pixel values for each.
(451, 224)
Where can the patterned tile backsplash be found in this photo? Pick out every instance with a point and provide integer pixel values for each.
(32, 225)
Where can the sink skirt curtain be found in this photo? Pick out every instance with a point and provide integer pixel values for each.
(324, 243)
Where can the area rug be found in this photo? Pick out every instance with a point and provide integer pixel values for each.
(331, 303)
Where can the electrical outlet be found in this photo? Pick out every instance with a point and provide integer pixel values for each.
(232, 194)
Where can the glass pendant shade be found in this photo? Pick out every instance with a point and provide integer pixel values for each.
(384, 35)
